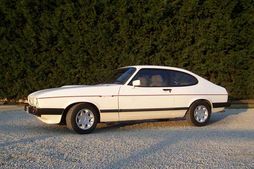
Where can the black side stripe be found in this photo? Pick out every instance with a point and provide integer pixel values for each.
(43, 111)
(50, 111)
(142, 110)
(223, 104)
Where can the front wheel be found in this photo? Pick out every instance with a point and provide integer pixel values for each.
(199, 113)
(82, 118)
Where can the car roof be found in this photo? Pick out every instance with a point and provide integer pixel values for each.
(157, 67)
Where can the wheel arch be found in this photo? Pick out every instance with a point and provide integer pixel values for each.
(63, 118)
(200, 100)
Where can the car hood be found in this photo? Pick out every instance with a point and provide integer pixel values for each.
(77, 90)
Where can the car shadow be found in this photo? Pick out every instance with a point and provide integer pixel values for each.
(177, 122)
(220, 116)
(141, 124)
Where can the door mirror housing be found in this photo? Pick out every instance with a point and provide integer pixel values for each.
(136, 83)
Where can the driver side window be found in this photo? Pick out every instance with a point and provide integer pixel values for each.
(150, 78)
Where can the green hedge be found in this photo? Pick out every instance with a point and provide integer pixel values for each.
(51, 43)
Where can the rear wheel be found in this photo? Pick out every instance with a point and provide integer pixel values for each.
(82, 118)
(199, 113)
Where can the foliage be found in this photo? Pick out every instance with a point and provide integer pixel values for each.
(49, 43)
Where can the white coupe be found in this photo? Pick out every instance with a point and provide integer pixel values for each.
(132, 93)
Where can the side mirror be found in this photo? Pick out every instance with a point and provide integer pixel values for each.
(136, 83)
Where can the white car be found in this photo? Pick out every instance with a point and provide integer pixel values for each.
(132, 93)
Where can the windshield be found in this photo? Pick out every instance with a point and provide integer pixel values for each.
(120, 76)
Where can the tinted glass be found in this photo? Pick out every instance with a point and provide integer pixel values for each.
(163, 78)
(178, 78)
(151, 78)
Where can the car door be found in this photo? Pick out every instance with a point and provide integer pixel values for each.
(152, 99)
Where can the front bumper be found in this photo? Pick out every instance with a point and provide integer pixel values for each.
(32, 110)
(42, 111)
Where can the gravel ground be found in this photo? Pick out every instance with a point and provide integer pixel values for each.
(228, 142)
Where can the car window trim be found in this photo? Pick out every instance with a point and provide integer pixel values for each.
(137, 71)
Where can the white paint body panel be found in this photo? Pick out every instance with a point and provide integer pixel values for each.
(144, 98)
(50, 119)
(103, 96)
(121, 97)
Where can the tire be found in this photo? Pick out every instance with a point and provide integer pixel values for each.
(199, 113)
(82, 118)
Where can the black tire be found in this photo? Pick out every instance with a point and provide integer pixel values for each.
(190, 116)
(71, 116)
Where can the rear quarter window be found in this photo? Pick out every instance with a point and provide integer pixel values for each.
(178, 78)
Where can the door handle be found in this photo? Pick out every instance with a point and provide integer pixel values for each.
(168, 90)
